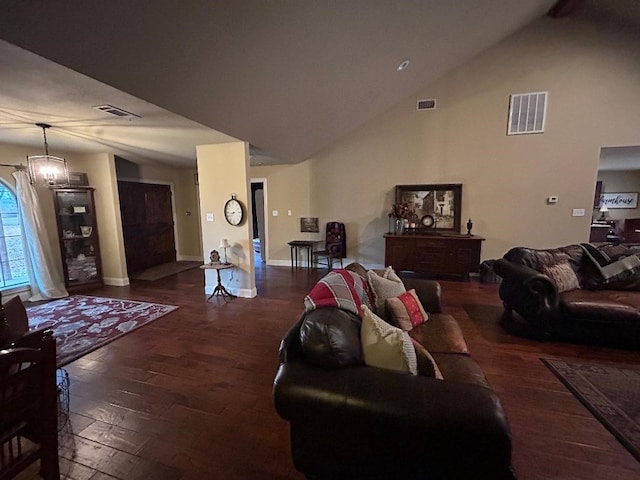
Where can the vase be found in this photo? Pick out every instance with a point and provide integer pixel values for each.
(399, 227)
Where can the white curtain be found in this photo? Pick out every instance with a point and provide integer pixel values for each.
(45, 274)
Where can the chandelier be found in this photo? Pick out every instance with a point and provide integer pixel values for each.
(47, 170)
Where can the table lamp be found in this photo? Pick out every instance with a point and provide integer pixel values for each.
(603, 213)
(224, 244)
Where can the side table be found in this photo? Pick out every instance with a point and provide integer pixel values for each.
(295, 245)
(219, 290)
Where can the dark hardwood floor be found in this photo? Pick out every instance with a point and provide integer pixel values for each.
(189, 395)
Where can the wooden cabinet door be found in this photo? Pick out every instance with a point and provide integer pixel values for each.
(147, 222)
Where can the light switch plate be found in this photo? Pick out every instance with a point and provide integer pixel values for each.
(210, 217)
(275, 213)
(578, 212)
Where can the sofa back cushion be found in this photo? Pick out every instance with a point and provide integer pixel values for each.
(330, 337)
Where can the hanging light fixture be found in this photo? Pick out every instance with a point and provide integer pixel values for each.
(47, 170)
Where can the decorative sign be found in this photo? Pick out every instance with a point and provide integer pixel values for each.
(619, 200)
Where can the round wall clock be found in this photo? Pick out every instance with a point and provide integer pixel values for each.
(428, 221)
(234, 211)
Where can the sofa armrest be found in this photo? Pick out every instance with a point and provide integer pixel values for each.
(527, 291)
(428, 291)
(354, 413)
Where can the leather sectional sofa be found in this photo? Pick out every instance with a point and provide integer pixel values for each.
(600, 306)
(352, 421)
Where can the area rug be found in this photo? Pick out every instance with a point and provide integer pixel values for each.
(164, 270)
(611, 394)
(82, 323)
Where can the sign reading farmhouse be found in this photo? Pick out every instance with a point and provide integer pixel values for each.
(619, 200)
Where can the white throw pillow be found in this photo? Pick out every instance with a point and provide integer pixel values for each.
(386, 346)
(387, 286)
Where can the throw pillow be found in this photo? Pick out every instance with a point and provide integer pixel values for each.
(563, 276)
(405, 311)
(427, 365)
(387, 286)
(385, 346)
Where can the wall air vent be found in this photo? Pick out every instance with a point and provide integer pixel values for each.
(527, 113)
(427, 104)
(118, 112)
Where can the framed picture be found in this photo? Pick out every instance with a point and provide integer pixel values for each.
(309, 224)
(436, 207)
(78, 179)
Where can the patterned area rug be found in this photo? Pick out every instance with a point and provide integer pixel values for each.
(164, 270)
(82, 323)
(612, 394)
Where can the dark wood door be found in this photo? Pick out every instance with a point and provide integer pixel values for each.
(147, 224)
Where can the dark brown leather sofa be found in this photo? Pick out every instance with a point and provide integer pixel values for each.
(603, 311)
(351, 421)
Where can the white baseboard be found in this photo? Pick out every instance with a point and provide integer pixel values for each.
(189, 258)
(279, 263)
(116, 282)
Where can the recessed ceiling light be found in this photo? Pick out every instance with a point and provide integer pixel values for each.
(403, 66)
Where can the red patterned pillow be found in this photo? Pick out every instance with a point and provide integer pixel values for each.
(405, 311)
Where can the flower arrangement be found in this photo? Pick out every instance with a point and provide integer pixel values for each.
(400, 210)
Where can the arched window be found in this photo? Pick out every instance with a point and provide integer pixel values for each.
(13, 264)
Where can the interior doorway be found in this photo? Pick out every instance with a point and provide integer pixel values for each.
(258, 203)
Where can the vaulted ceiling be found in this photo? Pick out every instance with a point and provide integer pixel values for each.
(289, 77)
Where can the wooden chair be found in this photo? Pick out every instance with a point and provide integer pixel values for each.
(335, 247)
(28, 402)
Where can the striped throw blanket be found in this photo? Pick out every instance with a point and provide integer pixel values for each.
(343, 289)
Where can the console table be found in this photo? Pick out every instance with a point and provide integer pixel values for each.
(441, 254)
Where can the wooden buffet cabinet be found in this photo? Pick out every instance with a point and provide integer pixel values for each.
(438, 254)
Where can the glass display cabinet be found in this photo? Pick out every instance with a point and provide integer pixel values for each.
(78, 237)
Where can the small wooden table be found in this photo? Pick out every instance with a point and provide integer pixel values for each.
(295, 245)
(219, 290)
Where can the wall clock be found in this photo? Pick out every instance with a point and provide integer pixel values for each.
(234, 211)
(428, 221)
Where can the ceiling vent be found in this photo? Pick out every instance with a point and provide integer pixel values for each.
(118, 112)
(427, 104)
(527, 113)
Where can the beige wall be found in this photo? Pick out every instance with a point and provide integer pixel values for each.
(223, 170)
(591, 73)
(287, 188)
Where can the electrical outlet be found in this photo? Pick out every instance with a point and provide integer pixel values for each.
(289, 212)
(275, 213)
(578, 212)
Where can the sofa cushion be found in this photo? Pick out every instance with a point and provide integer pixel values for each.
(405, 311)
(441, 334)
(562, 276)
(461, 369)
(330, 337)
(387, 286)
(606, 306)
(385, 346)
